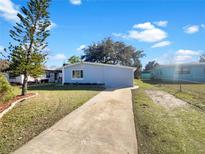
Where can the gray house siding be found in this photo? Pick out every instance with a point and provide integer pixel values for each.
(111, 76)
(195, 73)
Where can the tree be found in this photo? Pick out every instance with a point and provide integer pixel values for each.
(73, 59)
(30, 33)
(202, 58)
(101, 52)
(151, 65)
(137, 63)
(111, 52)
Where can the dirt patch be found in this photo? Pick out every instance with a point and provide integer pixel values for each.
(165, 99)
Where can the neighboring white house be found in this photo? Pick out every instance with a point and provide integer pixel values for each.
(186, 72)
(53, 75)
(18, 79)
(50, 75)
(96, 73)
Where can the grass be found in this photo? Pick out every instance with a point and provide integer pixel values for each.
(191, 93)
(162, 131)
(31, 117)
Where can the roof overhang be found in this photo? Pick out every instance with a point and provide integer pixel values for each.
(100, 64)
(180, 64)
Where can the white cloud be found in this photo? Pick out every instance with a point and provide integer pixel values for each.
(179, 56)
(182, 55)
(161, 23)
(146, 32)
(161, 44)
(146, 25)
(183, 58)
(169, 58)
(148, 35)
(188, 52)
(191, 29)
(81, 47)
(8, 10)
(52, 25)
(57, 57)
(76, 2)
(120, 35)
(117, 34)
(166, 58)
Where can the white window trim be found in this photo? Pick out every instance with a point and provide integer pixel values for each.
(76, 78)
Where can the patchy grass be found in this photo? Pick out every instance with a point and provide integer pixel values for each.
(142, 84)
(191, 93)
(31, 117)
(161, 131)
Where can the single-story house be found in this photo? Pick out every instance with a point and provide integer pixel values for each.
(18, 79)
(190, 72)
(97, 73)
(51, 75)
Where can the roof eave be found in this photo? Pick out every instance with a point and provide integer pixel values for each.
(120, 66)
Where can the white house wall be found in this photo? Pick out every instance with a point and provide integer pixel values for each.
(119, 77)
(169, 73)
(19, 79)
(111, 76)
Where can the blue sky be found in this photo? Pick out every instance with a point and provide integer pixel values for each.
(168, 31)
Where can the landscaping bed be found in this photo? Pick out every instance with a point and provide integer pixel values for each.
(30, 117)
(7, 104)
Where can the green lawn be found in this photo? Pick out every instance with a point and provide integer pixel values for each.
(162, 131)
(31, 117)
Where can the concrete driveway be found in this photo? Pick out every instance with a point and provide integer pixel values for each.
(105, 124)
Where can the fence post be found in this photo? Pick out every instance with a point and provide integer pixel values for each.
(180, 85)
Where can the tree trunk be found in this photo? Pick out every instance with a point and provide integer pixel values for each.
(25, 83)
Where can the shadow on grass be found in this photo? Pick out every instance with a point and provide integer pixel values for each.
(54, 87)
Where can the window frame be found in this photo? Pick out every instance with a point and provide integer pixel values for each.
(77, 78)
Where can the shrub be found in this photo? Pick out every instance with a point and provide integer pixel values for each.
(6, 90)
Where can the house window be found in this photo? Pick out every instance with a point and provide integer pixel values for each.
(183, 70)
(77, 74)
